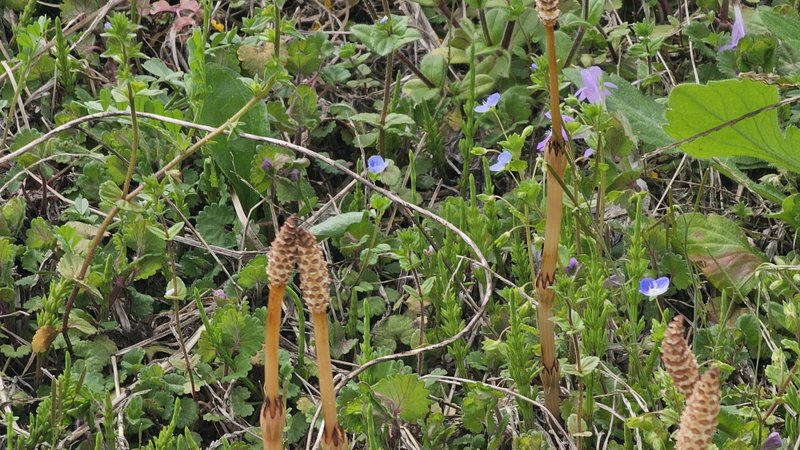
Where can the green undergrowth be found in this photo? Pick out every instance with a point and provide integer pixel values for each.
(149, 152)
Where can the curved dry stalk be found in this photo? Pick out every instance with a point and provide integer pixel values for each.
(282, 258)
(314, 283)
(678, 358)
(699, 419)
(556, 160)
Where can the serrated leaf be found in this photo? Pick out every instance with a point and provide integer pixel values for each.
(404, 396)
(239, 405)
(10, 352)
(39, 236)
(69, 266)
(785, 27)
(720, 249)
(395, 329)
(695, 109)
(214, 225)
(337, 225)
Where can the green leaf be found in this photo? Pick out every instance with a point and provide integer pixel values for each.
(69, 266)
(214, 223)
(790, 211)
(380, 40)
(255, 272)
(305, 55)
(477, 404)
(395, 328)
(642, 113)
(785, 26)
(720, 249)
(175, 289)
(39, 235)
(10, 352)
(404, 395)
(239, 397)
(677, 268)
(11, 216)
(337, 225)
(231, 154)
(694, 109)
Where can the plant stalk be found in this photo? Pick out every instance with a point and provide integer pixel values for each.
(332, 433)
(272, 412)
(555, 159)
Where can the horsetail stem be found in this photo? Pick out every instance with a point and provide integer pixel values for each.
(314, 283)
(556, 162)
(282, 259)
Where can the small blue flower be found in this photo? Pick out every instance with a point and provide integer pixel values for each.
(266, 164)
(376, 164)
(220, 294)
(107, 25)
(490, 102)
(572, 267)
(653, 288)
(383, 20)
(502, 160)
(534, 66)
(588, 153)
(773, 441)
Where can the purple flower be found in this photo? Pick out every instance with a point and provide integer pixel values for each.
(614, 281)
(490, 102)
(383, 20)
(653, 288)
(502, 160)
(738, 30)
(588, 153)
(773, 441)
(294, 174)
(219, 294)
(376, 164)
(534, 66)
(594, 89)
(543, 143)
(266, 164)
(572, 267)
